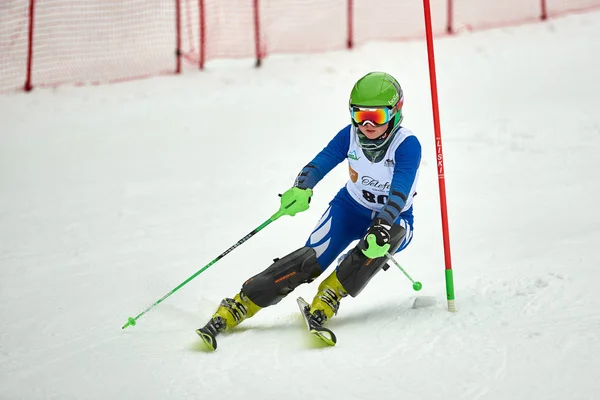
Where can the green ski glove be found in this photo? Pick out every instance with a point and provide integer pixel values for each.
(374, 250)
(293, 201)
(376, 242)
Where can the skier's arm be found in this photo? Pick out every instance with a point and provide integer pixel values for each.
(333, 154)
(408, 158)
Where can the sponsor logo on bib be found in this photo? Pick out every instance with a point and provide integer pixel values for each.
(353, 174)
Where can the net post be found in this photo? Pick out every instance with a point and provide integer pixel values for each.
(450, 17)
(177, 36)
(544, 10)
(28, 85)
(257, 43)
(350, 26)
(202, 33)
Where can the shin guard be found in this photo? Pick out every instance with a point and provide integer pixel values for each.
(282, 277)
(356, 269)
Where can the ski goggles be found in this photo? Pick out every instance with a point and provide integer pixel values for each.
(375, 116)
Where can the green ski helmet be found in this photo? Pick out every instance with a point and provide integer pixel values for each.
(378, 89)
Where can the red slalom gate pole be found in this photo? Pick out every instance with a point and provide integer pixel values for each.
(439, 156)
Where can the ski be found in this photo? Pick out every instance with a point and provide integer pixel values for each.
(209, 332)
(208, 338)
(316, 329)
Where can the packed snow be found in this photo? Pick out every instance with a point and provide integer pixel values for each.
(111, 196)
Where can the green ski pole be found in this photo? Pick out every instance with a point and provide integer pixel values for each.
(416, 285)
(131, 321)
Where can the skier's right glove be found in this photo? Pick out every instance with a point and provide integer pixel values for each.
(293, 201)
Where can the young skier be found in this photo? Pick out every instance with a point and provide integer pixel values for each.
(374, 207)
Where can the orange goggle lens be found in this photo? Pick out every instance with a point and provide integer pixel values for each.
(375, 116)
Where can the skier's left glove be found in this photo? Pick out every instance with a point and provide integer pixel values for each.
(293, 201)
(376, 242)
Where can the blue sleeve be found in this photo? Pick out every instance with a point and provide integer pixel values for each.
(408, 158)
(334, 153)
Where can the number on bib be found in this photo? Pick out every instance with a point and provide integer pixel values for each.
(370, 197)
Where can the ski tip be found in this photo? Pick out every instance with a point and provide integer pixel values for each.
(325, 335)
(301, 302)
(209, 340)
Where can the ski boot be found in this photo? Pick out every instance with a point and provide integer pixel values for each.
(229, 314)
(324, 306)
(327, 300)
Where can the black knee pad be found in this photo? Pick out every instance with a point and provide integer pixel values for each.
(282, 277)
(356, 270)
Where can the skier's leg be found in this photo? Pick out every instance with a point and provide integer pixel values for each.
(262, 290)
(353, 273)
(344, 223)
(266, 288)
(282, 277)
(356, 270)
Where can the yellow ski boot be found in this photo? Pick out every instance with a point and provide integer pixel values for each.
(327, 300)
(229, 314)
(324, 306)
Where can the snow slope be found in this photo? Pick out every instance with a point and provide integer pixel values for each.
(111, 196)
